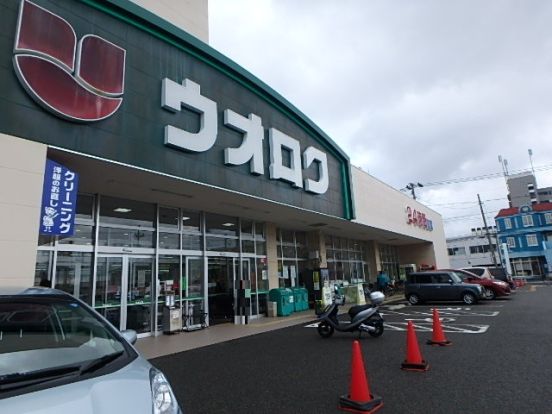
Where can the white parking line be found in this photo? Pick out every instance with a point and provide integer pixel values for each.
(456, 328)
(428, 327)
(442, 313)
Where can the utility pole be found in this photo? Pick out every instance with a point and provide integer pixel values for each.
(411, 187)
(491, 247)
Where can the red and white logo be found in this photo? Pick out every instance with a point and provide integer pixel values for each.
(81, 81)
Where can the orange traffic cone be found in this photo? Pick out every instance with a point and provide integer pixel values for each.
(413, 361)
(438, 337)
(359, 400)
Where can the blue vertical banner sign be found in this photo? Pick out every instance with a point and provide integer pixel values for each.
(59, 200)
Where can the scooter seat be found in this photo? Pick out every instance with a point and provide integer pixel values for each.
(354, 310)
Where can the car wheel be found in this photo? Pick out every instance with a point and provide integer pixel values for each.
(325, 330)
(489, 294)
(414, 299)
(376, 323)
(469, 298)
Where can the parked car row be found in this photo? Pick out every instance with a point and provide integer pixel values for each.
(460, 285)
(492, 273)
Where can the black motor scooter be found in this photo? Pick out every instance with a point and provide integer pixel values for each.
(362, 318)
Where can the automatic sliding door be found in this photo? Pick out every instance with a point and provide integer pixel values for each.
(220, 274)
(109, 289)
(124, 291)
(194, 303)
(140, 294)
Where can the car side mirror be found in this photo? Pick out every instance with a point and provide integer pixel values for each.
(451, 282)
(130, 336)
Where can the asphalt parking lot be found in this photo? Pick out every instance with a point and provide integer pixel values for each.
(499, 362)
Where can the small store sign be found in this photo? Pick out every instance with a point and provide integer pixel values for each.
(418, 219)
(59, 200)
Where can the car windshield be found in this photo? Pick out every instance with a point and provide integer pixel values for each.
(41, 334)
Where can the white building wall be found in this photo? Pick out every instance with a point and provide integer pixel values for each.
(471, 259)
(188, 15)
(21, 179)
(380, 206)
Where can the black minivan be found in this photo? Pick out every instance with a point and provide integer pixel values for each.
(440, 286)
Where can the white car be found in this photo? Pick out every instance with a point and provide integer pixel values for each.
(58, 355)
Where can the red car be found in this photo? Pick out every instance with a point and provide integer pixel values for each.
(493, 288)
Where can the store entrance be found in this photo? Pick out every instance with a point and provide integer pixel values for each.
(221, 273)
(124, 294)
(224, 274)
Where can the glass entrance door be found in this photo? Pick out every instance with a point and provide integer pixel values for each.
(221, 274)
(123, 291)
(193, 293)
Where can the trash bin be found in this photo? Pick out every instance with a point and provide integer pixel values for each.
(271, 309)
(300, 299)
(284, 300)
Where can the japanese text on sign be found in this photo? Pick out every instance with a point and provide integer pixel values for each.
(419, 219)
(59, 200)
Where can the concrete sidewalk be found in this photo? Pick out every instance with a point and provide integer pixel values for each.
(156, 346)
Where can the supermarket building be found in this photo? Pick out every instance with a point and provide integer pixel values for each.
(190, 176)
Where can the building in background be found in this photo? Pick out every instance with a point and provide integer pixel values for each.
(527, 232)
(195, 179)
(473, 249)
(523, 190)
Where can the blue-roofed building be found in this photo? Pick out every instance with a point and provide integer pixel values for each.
(527, 233)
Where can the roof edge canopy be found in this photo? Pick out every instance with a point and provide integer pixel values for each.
(143, 19)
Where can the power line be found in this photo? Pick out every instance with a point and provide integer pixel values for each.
(486, 176)
(455, 218)
(454, 203)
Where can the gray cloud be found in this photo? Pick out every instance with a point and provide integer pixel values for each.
(418, 91)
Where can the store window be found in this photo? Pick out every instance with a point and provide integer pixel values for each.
(84, 236)
(389, 259)
(191, 221)
(168, 218)
(169, 229)
(117, 237)
(247, 229)
(292, 256)
(169, 240)
(85, 207)
(217, 224)
(222, 244)
(192, 242)
(125, 212)
(345, 259)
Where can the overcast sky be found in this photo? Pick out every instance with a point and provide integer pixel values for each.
(413, 91)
